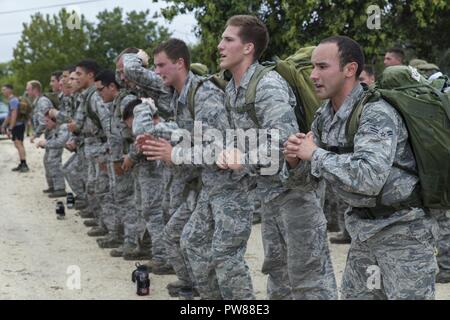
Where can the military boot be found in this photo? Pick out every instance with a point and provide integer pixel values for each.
(136, 254)
(86, 214)
(181, 289)
(256, 218)
(112, 240)
(91, 223)
(97, 232)
(341, 238)
(160, 268)
(49, 190)
(443, 276)
(80, 203)
(58, 194)
(116, 253)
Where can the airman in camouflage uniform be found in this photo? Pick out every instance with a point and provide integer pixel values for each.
(150, 174)
(293, 223)
(120, 178)
(392, 251)
(41, 105)
(54, 144)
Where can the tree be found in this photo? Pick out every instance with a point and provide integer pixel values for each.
(113, 33)
(49, 43)
(418, 24)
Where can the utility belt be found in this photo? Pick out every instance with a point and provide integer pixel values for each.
(90, 138)
(384, 212)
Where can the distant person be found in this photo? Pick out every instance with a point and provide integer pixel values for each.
(367, 76)
(14, 126)
(394, 57)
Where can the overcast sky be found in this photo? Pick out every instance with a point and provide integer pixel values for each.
(11, 22)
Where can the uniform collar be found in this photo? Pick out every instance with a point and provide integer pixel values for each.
(346, 108)
(246, 77)
(184, 92)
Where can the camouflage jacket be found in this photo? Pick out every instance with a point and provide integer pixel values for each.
(119, 136)
(40, 106)
(274, 106)
(359, 177)
(94, 136)
(148, 83)
(58, 137)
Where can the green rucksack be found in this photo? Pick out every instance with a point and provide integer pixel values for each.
(296, 70)
(25, 109)
(54, 99)
(426, 113)
(220, 80)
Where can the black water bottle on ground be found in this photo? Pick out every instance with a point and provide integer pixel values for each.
(142, 280)
(70, 200)
(60, 213)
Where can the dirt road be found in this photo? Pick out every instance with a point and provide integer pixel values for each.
(40, 256)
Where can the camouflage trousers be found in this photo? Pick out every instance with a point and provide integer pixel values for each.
(443, 245)
(124, 214)
(75, 172)
(181, 205)
(334, 209)
(149, 185)
(296, 254)
(99, 197)
(215, 240)
(53, 168)
(396, 263)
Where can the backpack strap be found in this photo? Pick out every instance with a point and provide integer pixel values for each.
(90, 113)
(250, 95)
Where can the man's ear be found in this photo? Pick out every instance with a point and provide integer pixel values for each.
(249, 48)
(180, 63)
(350, 69)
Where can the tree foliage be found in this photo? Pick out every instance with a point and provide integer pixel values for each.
(419, 25)
(49, 43)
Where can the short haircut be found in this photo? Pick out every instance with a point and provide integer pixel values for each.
(399, 53)
(252, 30)
(349, 51)
(57, 74)
(369, 69)
(8, 86)
(107, 77)
(175, 49)
(129, 108)
(70, 68)
(127, 50)
(89, 65)
(35, 84)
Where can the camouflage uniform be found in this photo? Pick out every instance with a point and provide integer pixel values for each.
(95, 149)
(399, 243)
(121, 183)
(149, 183)
(443, 245)
(55, 147)
(40, 106)
(293, 224)
(334, 210)
(150, 173)
(75, 168)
